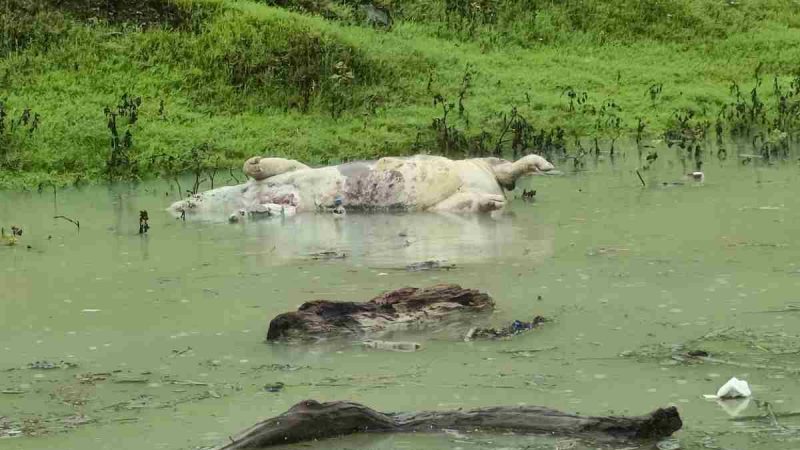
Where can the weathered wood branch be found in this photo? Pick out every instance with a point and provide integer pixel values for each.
(309, 420)
(398, 308)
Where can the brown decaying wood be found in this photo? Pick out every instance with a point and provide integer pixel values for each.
(310, 420)
(401, 307)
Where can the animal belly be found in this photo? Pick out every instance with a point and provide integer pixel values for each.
(402, 183)
(377, 190)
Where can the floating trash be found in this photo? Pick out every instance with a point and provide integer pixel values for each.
(697, 176)
(429, 265)
(327, 255)
(734, 388)
(516, 327)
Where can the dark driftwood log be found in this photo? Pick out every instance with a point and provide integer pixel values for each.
(309, 420)
(402, 307)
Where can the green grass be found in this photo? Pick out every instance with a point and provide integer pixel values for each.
(247, 78)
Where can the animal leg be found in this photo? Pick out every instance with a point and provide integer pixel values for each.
(471, 202)
(263, 210)
(273, 209)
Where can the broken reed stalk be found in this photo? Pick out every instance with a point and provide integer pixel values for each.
(778, 415)
(640, 178)
(77, 223)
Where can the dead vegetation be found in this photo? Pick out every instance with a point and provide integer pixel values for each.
(777, 352)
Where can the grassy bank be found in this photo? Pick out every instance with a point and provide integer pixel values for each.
(95, 90)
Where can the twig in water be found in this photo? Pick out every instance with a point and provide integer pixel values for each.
(230, 169)
(774, 414)
(143, 225)
(789, 308)
(640, 178)
(524, 351)
(769, 413)
(188, 383)
(711, 334)
(55, 200)
(748, 365)
(77, 223)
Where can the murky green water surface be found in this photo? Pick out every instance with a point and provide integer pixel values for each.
(167, 330)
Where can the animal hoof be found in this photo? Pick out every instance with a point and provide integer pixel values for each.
(491, 203)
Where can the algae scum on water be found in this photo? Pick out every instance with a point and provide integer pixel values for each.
(654, 296)
(660, 264)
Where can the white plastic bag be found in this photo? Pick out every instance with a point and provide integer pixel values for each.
(734, 388)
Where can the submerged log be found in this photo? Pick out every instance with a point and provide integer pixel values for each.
(309, 420)
(394, 309)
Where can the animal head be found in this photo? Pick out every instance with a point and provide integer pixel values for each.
(534, 164)
(259, 168)
(252, 168)
(507, 173)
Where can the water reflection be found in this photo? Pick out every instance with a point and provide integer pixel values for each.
(387, 241)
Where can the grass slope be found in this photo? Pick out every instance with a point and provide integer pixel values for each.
(211, 82)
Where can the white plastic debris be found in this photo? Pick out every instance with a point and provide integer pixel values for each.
(470, 333)
(697, 176)
(734, 388)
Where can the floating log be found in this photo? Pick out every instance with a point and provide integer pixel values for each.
(310, 420)
(394, 309)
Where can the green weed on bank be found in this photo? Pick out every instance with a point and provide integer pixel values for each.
(230, 79)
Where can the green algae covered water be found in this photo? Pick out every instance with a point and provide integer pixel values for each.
(114, 340)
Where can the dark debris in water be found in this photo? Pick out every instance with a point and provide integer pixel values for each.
(429, 265)
(92, 378)
(732, 347)
(327, 255)
(38, 425)
(526, 352)
(528, 196)
(144, 226)
(280, 367)
(515, 328)
(49, 365)
(274, 387)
